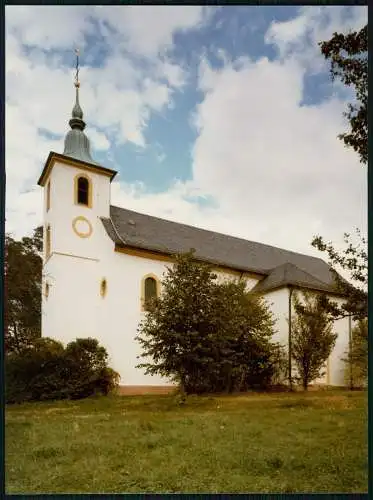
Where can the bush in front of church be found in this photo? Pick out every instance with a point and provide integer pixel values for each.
(206, 335)
(89, 371)
(49, 371)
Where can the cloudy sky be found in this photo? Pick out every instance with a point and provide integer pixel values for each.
(224, 118)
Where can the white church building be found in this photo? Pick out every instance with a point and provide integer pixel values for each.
(102, 262)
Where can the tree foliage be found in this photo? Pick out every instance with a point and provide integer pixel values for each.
(357, 359)
(312, 337)
(23, 278)
(47, 370)
(207, 336)
(348, 55)
(245, 327)
(354, 260)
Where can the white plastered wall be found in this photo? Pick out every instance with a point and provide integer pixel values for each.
(73, 268)
(279, 303)
(121, 312)
(75, 308)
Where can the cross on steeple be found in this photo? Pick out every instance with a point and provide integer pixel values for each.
(77, 83)
(76, 142)
(77, 113)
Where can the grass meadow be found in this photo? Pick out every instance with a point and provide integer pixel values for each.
(252, 443)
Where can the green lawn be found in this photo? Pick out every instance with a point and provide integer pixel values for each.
(315, 442)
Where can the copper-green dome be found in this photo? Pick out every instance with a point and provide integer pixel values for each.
(76, 142)
(77, 146)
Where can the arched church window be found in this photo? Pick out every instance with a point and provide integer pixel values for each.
(150, 291)
(83, 190)
(48, 241)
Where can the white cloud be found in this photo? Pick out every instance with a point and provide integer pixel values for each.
(47, 27)
(118, 97)
(145, 30)
(276, 169)
(98, 140)
(299, 37)
(275, 166)
(173, 73)
(149, 30)
(173, 204)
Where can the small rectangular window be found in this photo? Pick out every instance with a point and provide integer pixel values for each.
(48, 195)
(48, 242)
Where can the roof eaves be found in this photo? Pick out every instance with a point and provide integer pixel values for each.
(214, 262)
(57, 156)
(117, 232)
(111, 231)
(263, 290)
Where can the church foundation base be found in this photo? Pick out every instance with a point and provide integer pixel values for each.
(137, 390)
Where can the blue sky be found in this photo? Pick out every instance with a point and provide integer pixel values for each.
(225, 118)
(169, 134)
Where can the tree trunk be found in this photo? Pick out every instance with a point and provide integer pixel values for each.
(305, 384)
(182, 385)
(17, 342)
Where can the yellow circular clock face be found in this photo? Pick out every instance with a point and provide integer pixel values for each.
(82, 227)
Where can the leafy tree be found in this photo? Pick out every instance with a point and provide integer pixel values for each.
(354, 260)
(209, 337)
(23, 277)
(357, 359)
(348, 55)
(35, 243)
(244, 328)
(175, 335)
(312, 337)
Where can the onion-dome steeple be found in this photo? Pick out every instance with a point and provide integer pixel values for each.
(76, 142)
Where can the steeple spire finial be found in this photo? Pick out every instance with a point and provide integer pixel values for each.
(77, 84)
(76, 142)
(77, 113)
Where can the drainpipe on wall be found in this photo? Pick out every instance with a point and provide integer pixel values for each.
(350, 349)
(5, 283)
(289, 339)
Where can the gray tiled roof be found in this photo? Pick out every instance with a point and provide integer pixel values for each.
(126, 227)
(289, 274)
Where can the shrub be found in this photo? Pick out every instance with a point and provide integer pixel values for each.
(47, 370)
(23, 369)
(107, 381)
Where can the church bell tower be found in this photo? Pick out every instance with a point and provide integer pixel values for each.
(76, 196)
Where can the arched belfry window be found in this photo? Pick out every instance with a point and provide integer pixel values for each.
(83, 190)
(150, 291)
